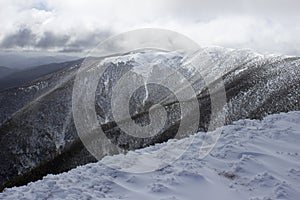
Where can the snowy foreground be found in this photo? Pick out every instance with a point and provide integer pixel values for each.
(252, 160)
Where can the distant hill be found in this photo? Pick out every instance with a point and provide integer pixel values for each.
(5, 71)
(20, 61)
(13, 77)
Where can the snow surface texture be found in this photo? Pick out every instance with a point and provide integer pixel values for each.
(252, 160)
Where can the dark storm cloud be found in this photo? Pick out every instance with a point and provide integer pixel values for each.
(86, 42)
(21, 38)
(90, 39)
(25, 37)
(49, 40)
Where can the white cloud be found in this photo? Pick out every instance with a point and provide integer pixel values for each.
(267, 26)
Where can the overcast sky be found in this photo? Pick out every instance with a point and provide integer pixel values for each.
(76, 26)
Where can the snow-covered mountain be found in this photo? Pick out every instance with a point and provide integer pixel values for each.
(37, 131)
(252, 160)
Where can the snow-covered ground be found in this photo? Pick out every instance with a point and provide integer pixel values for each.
(252, 160)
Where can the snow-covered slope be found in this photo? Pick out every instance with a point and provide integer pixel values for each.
(252, 160)
(37, 127)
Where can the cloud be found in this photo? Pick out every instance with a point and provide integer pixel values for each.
(27, 38)
(22, 38)
(49, 40)
(268, 26)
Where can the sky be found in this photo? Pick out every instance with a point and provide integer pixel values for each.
(76, 27)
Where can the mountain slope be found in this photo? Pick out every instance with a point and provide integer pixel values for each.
(37, 131)
(252, 160)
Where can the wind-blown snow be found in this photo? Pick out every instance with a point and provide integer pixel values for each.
(252, 160)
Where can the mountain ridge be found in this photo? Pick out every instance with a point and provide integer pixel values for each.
(255, 86)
